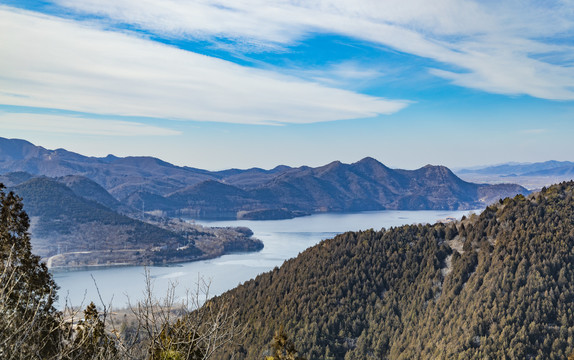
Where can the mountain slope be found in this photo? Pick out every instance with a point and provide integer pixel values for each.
(251, 177)
(63, 221)
(73, 224)
(369, 185)
(119, 176)
(210, 199)
(89, 190)
(498, 285)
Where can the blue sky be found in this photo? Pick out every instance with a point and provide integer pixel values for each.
(217, 84)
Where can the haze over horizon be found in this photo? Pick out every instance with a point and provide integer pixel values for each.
(240, 84)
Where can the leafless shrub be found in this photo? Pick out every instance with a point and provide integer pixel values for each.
(159, 328)
(171, 328)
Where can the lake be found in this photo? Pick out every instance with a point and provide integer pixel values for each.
(283, 239)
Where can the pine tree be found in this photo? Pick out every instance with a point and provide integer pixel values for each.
(283, 347)
(29, 323)
(91, 340)
(178, 341)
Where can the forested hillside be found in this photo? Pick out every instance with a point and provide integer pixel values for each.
(75, 222)
(497, 285)
(85, 232)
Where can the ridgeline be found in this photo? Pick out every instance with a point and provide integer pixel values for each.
(280, 193)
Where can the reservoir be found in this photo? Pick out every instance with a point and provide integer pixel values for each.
(283, 239)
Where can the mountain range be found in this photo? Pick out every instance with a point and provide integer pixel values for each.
(154, 186)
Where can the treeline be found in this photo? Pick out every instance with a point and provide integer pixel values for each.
(495, 285)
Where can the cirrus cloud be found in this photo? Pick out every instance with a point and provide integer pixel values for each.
(510, 47)
(82, 125)
(50, 62)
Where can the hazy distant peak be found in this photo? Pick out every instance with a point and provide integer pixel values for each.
(431, 166)
(17, 149)
(20, 142)
(371, 164)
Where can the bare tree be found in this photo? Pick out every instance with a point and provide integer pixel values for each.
(189, 328)
(29, 322)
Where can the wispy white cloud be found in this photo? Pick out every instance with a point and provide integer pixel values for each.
(61, 124)
(509, 47)
(347, 74)
(53, 63)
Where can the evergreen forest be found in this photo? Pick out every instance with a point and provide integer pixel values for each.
(499, 285)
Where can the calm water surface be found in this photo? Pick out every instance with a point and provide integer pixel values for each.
(283, 239)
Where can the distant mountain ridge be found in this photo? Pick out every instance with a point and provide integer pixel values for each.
(119, 176)
(547, 168)
(152, 185)
(533, 176)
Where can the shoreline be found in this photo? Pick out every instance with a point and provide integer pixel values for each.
(176, 263)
